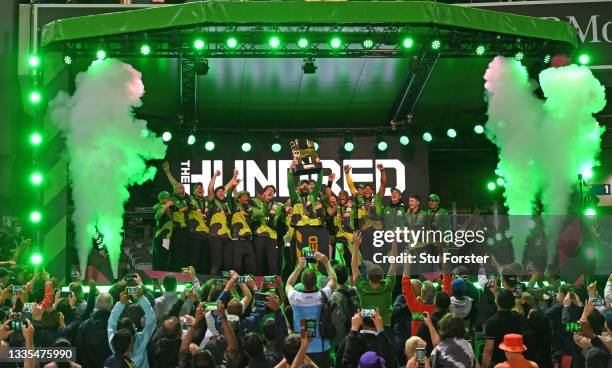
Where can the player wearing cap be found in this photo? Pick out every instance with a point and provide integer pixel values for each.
(220, 205)
(163, 231)
(394, 214)
(343, 213)
(438, 220)
(198, 229)
(243, 255)
(370, 211)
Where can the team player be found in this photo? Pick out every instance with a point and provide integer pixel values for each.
(163, 231)
(243, 256)
(343, 211)
(267, 215)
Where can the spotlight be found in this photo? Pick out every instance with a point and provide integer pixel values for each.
(274, 42)
(246, 147)
(35, 97)
(349, 146)
(35, 217)
(36, 139)
(309, 66)
(335, 43)
(302, 43)
(478, 129)
(67, 60)
(368, 44)
(491, 186)
(590, 212)
(546, 59)
(166, 136)
(480, 50)
(145, 49)
(209, 145)
(584, 59)
(451, 133)
(404, 140)
(519, 56)
(382, 145)
(201, 67)
(232, 43)
(34, 61)
(427, 137)
(407, 43)
(191, 139)
(199, 44)
(36, 259)
(276, 147)
(316, 146)
(587, 172)
(100, 54)
(500, 182)
(36, 178)
(436, 44)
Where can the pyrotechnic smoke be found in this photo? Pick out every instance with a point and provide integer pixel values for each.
(543, 144)
(107, 149)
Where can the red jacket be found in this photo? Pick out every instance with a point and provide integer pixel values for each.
(415, 305)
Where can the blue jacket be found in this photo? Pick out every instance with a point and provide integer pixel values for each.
(139, 353)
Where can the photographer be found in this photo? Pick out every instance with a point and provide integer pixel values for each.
(367, 335)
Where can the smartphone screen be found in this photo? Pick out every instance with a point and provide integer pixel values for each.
(420, 356)
(367, 313)
(212, 306)
(418, 316)
(311, 327)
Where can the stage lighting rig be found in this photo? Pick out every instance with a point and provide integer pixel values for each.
(309, 66)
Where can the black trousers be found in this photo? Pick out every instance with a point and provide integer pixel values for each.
(179, 249)
(199, 252)
(220, 254)
(266, 256)
(160, 254)
(243, 257)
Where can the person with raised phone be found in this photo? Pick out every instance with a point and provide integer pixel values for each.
(309, 304)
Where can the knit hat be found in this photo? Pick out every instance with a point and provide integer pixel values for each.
(459, 287)
(513, 343)
(370, 359)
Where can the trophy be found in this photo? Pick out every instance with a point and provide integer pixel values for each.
(307, 158)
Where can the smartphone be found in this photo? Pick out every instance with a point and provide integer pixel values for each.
(225, 274)
(188, 286)
(64, 294)
(73, 272)
(598, 302)
(310, 256)
(551, 293)
(367, 313)
(129, 277)
(269, 279)
(418, 316)
(242, 279)
(420, 356)
(17, 288)
(311, 327)
(132, 290)
(572, 289)
(209, 307)
(155, 283)
(262, 297)
(572, 327)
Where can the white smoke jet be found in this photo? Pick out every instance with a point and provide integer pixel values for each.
(107, 148)
(543, 145)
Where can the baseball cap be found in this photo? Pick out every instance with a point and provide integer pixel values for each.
(163, 195)
(241, 193)
(434, 197)
(395, 189)
(459, 287)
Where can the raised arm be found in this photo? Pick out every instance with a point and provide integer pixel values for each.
(291, 183)
(171, 179)
(294, 275)
(115, 314)
(211, 185)
(393, 266)
(383, 180)
(320, 257)
(349, 180)
(233, 182)
(331, 209)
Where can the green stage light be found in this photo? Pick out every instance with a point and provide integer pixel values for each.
(382, 145)
(191, 139)
(166, 136)
(101, 55)
(145, 49)
(36, 259)
(368, 44)
(36, 139)
(590, 253)
(67, 60)
(35, 97)
(302, 43)
(36, 178)
(335, 43)
(480, 50)
(276, 147)
(232, 43)
(584, 59)
(546, 59)
(590, 212)
(491, 186)
(408, 43)
(198, 44)
(436, 44)
(404, 140)
(587, 172)
(274, 42)
(451, 133)
(246, 147)
(35, 216)
(349, 146)
(500, 182)
(209, 145)
(478, 129)
(316, 146)
(427, 137)
(519, 56)
(34, 61)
